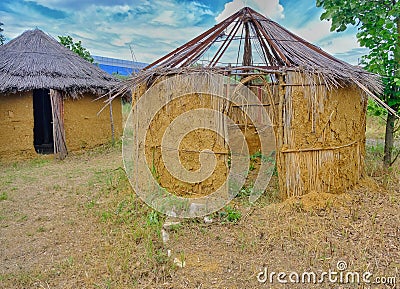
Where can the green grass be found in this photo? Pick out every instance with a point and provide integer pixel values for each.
(132, 224)
(3, 196)
(40, 161)
(229, 214)
(41, 229)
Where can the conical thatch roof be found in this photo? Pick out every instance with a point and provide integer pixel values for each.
(250, 42)
(35, 60)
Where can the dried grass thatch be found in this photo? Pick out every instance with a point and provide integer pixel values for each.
(249, 43)
(35, 60)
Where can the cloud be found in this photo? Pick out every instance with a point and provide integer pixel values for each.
(352, 56)
(81, 4)
(271, 8)
(343, 45)
(51, 13)
(154, 28)
(313, 31)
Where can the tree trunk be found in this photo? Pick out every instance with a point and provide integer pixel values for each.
(389, 140)
(389, 135)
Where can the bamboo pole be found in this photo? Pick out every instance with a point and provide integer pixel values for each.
(57, 107)
(280, 159)
(112, 124)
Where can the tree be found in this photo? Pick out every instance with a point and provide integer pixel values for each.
(76, 47)
(2, 38)
(378, 24)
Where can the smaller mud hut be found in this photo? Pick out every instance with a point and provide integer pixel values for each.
(47, 99)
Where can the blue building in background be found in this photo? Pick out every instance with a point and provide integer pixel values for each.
(118, 66)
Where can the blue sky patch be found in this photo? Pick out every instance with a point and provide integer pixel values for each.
(153, 28)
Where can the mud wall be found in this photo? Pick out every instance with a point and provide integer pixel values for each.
(198, 140)
(16, 126)
(323, 137)
(319, 137)
(189, 149)
(84, 128)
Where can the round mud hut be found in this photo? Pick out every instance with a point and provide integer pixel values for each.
(47, 95)
(316, 105)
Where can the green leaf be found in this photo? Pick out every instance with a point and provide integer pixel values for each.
(393, 102)
(76, 47)
(376, 23)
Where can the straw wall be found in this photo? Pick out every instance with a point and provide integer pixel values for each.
(16, 126)
(322, 145)
(84, 128)
(268, 96)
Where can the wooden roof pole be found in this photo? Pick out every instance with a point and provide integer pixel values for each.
(268, 56)
(247, 55)
(267, 38)
(231, 35)
(203, 46)
(192, 42)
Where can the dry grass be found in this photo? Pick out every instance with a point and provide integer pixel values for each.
(77, 224)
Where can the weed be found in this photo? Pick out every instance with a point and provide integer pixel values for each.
(105, 216)
(3, 196)
(154, 169)
(23, 218)
(252, 166)
(253, 159)
(153, 218)
(161, 256)
(91, 204)
(175, 228)
(56, 187)
(41, 229)
(245, 192)
(230, 214)
(69, 261)
(182, 257)
(203, 230)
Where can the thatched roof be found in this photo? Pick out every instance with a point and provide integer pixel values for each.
(35, 60)
(248, 42)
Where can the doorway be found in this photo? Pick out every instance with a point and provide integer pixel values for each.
(43, 122)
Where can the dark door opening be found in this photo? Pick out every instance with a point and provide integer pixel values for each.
(43, 122)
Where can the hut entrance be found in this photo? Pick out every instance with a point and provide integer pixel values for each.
(43, 122)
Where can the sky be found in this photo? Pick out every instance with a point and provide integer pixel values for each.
(152, 28)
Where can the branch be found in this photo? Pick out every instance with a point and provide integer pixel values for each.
(382, 117)
(395, 159)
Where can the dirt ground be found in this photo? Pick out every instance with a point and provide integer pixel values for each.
(41, 218)
(77, 224)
